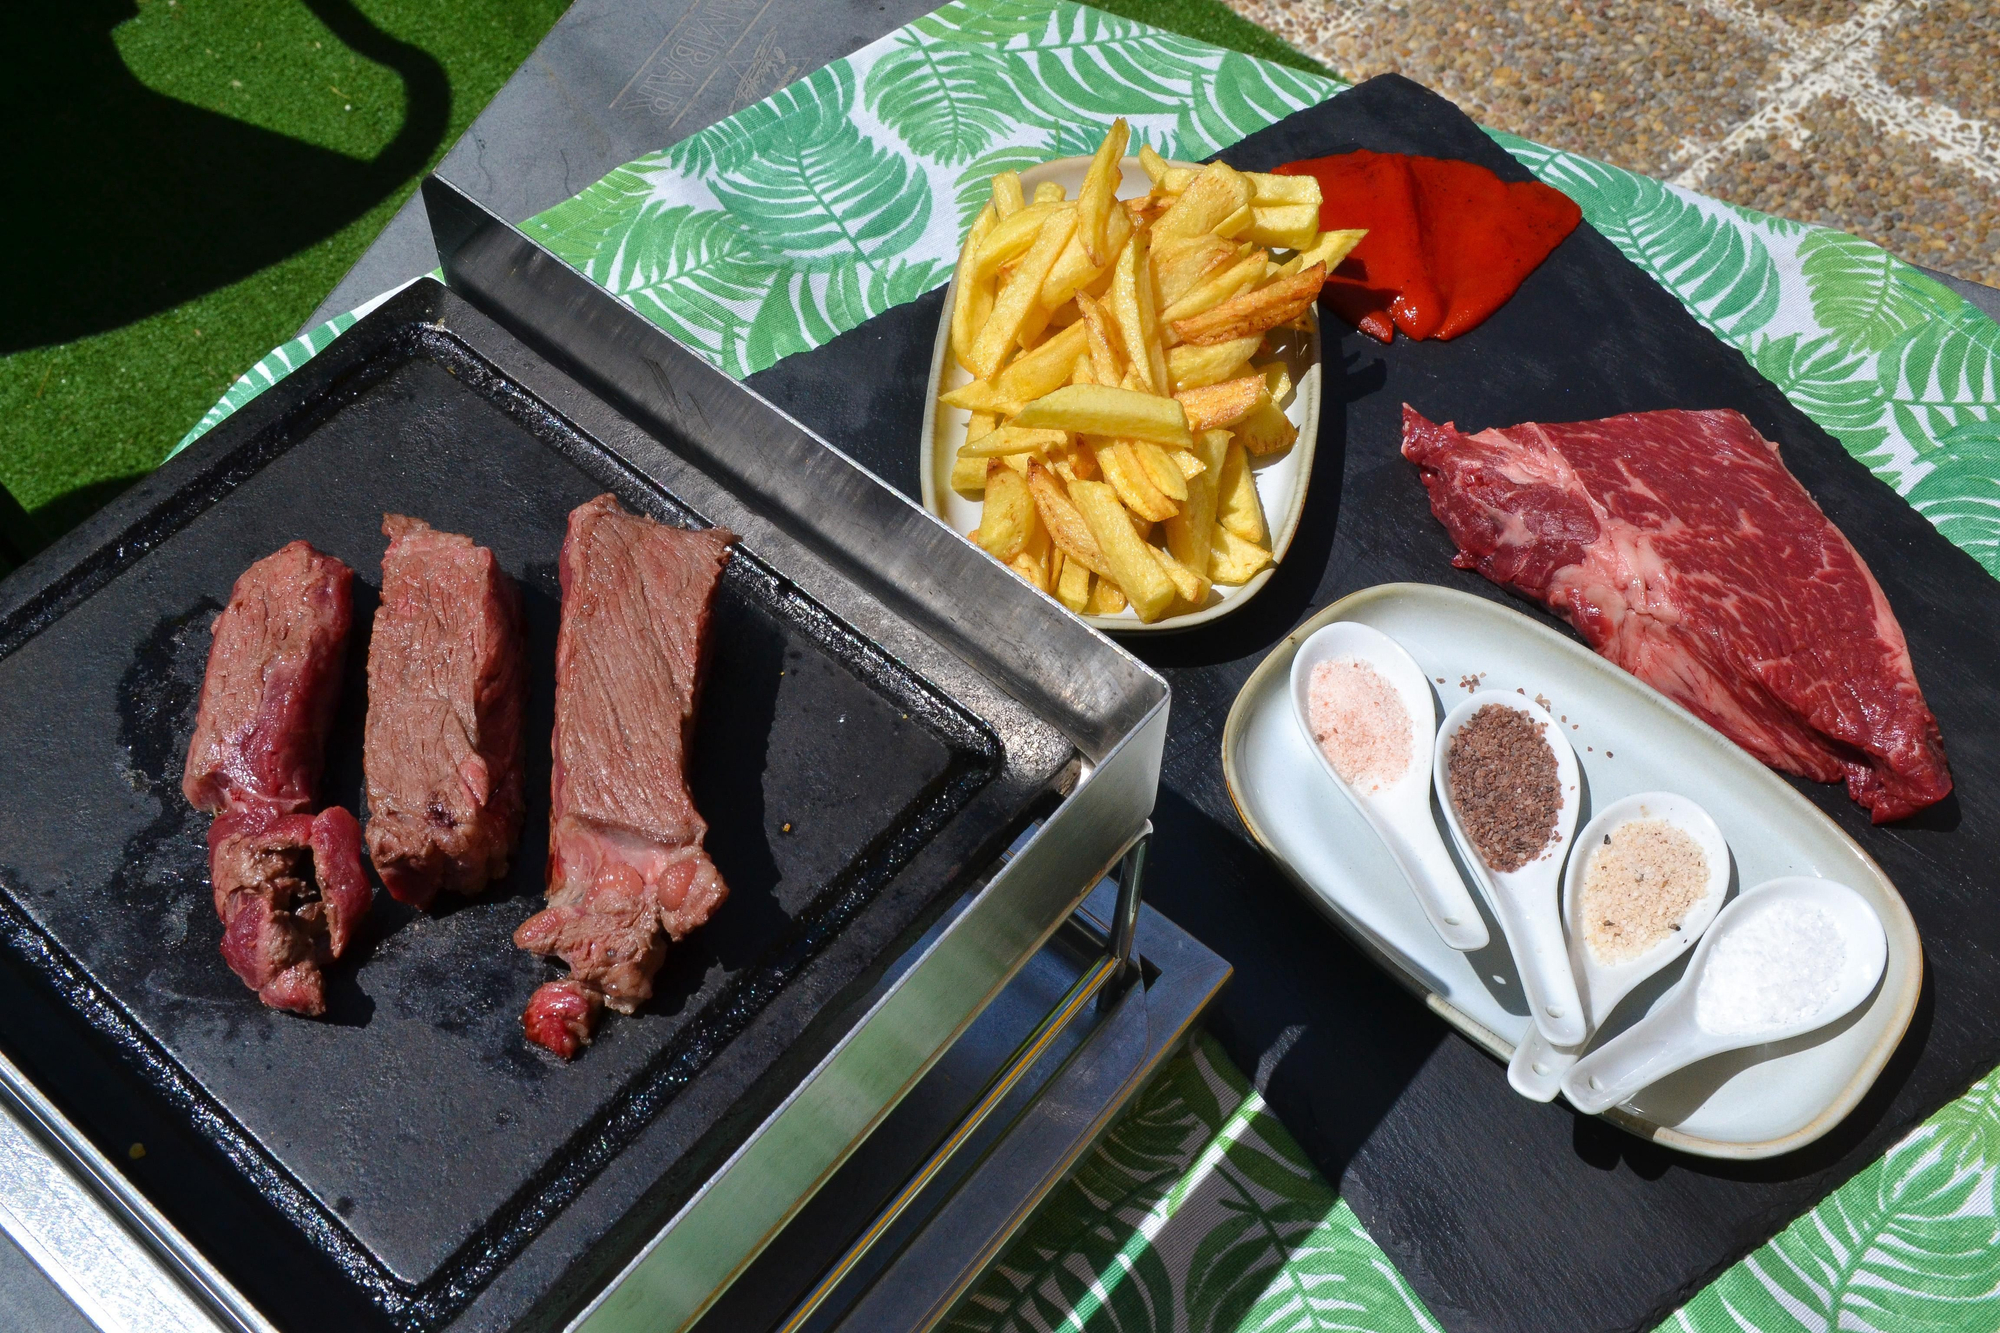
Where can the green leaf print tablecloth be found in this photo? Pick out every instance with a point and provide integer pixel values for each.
(846, 194)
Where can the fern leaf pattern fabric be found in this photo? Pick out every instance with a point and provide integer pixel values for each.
(1198, 1214)
(846, 194)
(849, 192)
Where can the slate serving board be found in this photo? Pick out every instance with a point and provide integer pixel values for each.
(1502, 1213)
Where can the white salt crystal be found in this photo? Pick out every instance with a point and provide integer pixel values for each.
(1776, 966)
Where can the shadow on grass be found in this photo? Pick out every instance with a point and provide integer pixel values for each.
(145, 201)
(20, 535)
(29, 532)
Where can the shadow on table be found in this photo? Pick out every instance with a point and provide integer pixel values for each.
(143, 201)
(1329, 1078)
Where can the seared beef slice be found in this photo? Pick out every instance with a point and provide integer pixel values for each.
(446, 678)
(627, 872)
(288, 883)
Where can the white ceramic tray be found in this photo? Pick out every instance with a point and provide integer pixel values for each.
(1281, 480)
(1758, 1102)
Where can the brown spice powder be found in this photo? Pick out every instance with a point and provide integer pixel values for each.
(1502, 776)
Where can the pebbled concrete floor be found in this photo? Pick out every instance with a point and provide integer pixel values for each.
(1880, 118)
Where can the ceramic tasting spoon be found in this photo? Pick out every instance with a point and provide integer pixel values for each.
(1537, 1069)
(1400, 811)
(1525, 900)
(1684, 1028)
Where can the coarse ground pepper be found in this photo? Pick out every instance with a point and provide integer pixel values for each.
(1503, 783)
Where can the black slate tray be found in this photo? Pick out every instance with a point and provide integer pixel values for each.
(410, 1154)
(1505, 1214)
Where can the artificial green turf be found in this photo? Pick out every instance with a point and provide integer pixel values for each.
(80, 419)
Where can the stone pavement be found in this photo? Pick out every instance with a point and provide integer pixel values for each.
(1880, 118)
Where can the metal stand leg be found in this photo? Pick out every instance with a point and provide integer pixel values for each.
(1125, 918)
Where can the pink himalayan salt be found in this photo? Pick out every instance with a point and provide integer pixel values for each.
(1359, 722)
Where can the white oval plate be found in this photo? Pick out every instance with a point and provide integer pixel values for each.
(1281, 480)
(1629, 738)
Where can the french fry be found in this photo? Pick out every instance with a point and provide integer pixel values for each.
(1192, 587)
(1185, 460)
(1215, 194)
(1155, 166)
(1078, 464)
(1284, 226)
(1247, 312)
(1106, 598)
(1214, 406)
(1160, 469)
(1007, 197)
(1138, 323)
(1194, 367)
(1123, 303)
(1236, 224)
(1045, 369)
(966, 317)
(1133, 566)
(1278, 382)
(1065, 523)
(1099, 191)
(1266, 430)
(1032, 563)
(1144, 210)
(1329, 249)
(1191, 533)
(1104, 359)
(982, 397)
(1237, 507)
(968, 474)
(1009, 515)
(1221, 283)
(1072, 584)
(1014, 440)
(1033, 325)
(1048, 192)
(1235, 561)
(1016, 299)
(1176, 179)
(1129, 479)
(1268, 189)
(1100, 409)
(1075, 269)
(1178, 265)
(1007, 241)
(981, 424)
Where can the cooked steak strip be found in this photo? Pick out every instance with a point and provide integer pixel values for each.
(1683, 550)
(627, 872)
(446, 677)
(288, 884)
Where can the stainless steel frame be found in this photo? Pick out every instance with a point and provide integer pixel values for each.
(1140, 1022)
(98, 1240)
(889, 568)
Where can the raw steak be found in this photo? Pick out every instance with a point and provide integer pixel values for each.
(288, 883)
(446, 678)
(627, 872)
(1682, 549)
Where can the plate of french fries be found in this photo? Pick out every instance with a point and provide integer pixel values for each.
(1126, 382)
